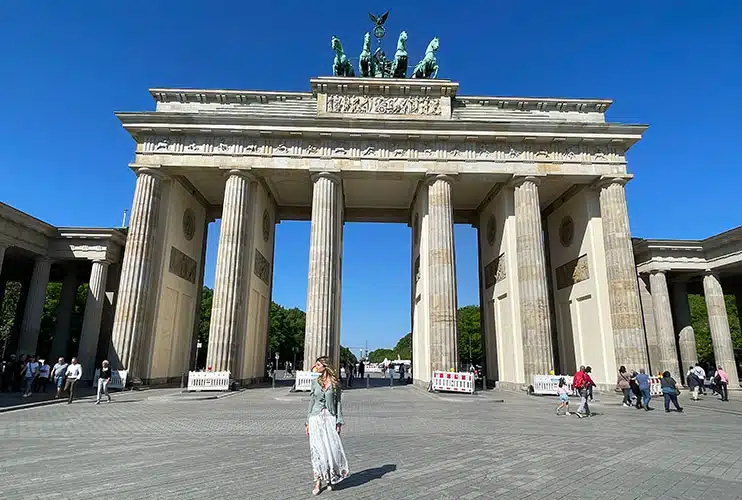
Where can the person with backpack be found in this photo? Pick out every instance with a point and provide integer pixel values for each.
(693, 383)
(583, 383)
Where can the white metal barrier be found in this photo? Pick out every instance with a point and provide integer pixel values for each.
(453, 381)
(547, 384)
(208, 381)
(118, 379)
(304, 380)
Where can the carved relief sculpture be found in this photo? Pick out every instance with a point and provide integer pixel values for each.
(572, 272)
(361, 104)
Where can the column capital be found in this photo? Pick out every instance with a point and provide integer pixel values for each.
(711, 272)
(659, 271)
(151, 171)
(431, 177)
(43, 258)
(245, 173)
(519, 180)
(326, 174)
(607, 180)
(102, 262)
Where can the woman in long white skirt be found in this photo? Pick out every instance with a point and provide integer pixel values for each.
(323, 425)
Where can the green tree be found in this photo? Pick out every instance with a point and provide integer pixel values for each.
(8, 310)
(347, 357)
(286, 332)
(469, 336)
(378, 355)
(207, 298)
(404, 347)
(700, 323)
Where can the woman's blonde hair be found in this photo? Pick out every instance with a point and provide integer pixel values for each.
(329, 370)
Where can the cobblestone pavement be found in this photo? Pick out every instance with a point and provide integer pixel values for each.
(401, 443)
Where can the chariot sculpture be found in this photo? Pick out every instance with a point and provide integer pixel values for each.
(376, 65)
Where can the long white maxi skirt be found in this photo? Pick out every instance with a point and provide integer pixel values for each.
(328, 457)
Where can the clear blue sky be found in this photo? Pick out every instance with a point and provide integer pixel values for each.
(67, 66)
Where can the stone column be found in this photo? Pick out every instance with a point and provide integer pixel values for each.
(2, 257)
(663, 321)
(532, 282)
(64, 315)
(721, 336)
(322, 336)
(130, 322)
(35, 299)
(442, 276)
(227, 313)
(91, 320)
(626, 313)
(686, 335)
(650, 327)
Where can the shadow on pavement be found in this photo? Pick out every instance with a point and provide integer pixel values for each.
(365, 476)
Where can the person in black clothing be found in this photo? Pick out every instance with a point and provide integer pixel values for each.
(636, 391)
(361, 369)
(103, 381)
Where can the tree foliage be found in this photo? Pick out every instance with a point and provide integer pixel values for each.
(699, 321)
(347, 357)
(8, 313)
(378, 355)
(469, 336)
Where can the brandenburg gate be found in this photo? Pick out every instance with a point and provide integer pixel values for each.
(542, 180)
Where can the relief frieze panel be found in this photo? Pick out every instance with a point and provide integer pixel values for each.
(363, 104)
(572, 272)
(182, 265)
(494, 272)
(382, 149)
(262, 268)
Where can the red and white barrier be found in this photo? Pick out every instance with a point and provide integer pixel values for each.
(208, 381)
(453, 382)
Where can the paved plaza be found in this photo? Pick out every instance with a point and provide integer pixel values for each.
(400, 442)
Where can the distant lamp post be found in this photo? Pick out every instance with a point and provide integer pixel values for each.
(295, 349)
(199, 345)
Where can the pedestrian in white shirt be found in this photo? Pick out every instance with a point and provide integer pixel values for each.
(701, 374)
(74, 374)
(30, 371)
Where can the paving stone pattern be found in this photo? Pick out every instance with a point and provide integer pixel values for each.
(401, 443)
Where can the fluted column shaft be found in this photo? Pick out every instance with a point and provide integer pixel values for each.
(322, 336)
(686, 335)
(538, 358)
(626, 315)
(650, 328)
(64, 315)
(721, 336)
(91, 320)
(134, 295)
(2, 257)
(664, 325)
(227, 328)
(442, 272)
(35, 299)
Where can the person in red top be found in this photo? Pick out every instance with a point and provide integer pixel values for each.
(583, 383)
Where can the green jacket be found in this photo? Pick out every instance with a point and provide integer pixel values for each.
(332, 401)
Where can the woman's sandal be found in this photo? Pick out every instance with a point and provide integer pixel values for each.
(316, 491)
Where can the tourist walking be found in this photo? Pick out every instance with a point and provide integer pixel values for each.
(670, 392)
(691, 380)
(701, 375)
(30, 371)
(722, 382)
(635, 391)
(563, 393)
(643, 380)
(323, 425)
(624, 385)
(583, 383)
(72, 376)
(103, 381)
(58, 371)
(44, 372)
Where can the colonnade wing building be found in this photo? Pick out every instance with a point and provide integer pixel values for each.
(542, 180)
